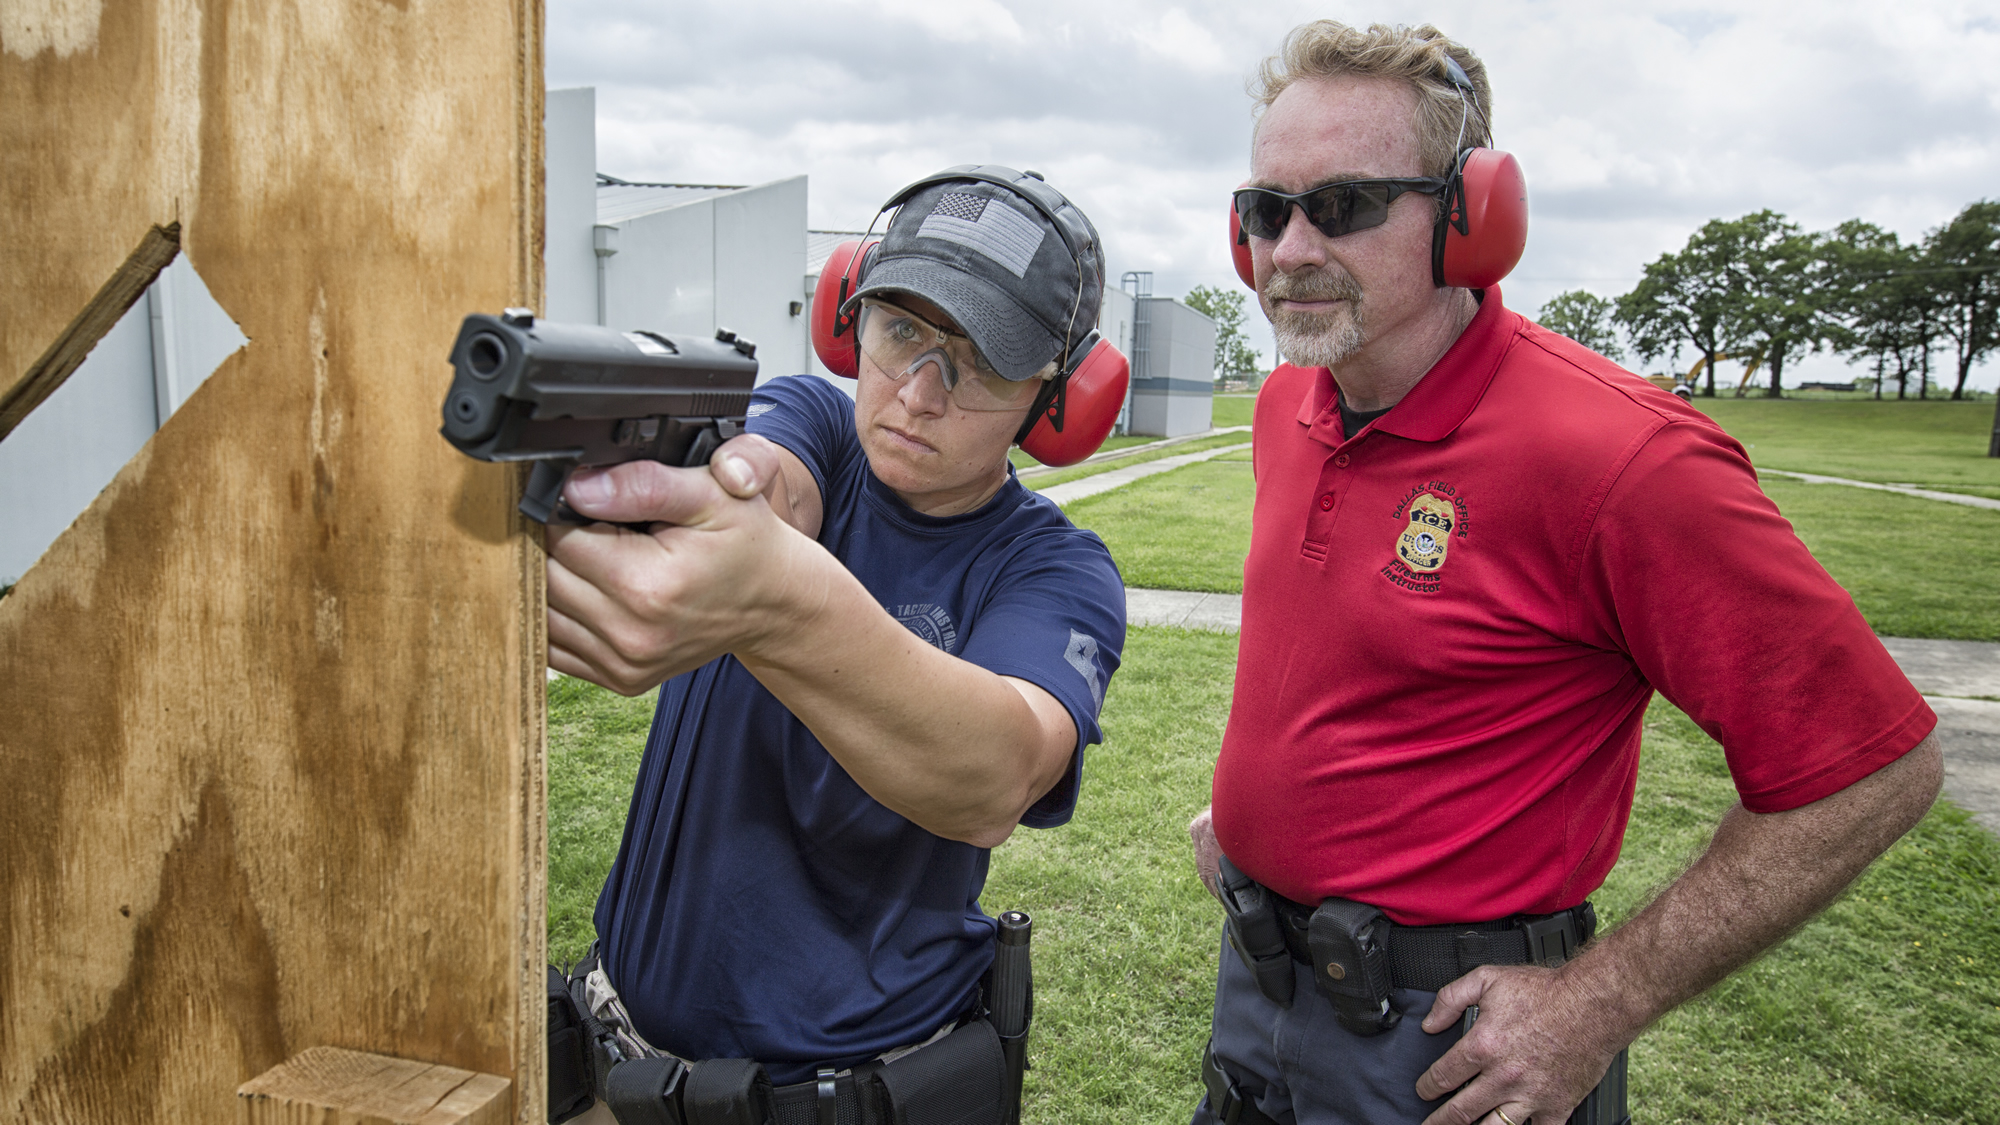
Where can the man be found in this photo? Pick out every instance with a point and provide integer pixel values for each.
(880, 654)
(1466, 579)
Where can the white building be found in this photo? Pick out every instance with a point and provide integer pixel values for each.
(1172, 351)
(680, 259)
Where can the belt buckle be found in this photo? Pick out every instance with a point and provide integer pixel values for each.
(827, 1091)
(1551, 940)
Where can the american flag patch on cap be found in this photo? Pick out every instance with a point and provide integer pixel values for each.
(994, 229)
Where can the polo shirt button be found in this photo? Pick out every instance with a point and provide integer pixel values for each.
(1326, 502)
(1340, 462)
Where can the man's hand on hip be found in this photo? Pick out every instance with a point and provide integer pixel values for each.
(716, 572)
(1545, 1037)
(1532, 1052)
(1207, 853)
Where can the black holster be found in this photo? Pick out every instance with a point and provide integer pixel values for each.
(1254, 932)
(1350, 956)
(570, 1058)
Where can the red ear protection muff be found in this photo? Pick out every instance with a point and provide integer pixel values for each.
(1239, 246)
(1482, 224)
(1092, 396)
(1075, 411)
(833, 333)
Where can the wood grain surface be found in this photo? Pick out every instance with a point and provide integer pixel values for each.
(331, 1086)
(271, 726)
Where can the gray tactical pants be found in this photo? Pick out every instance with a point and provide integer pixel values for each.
(1300, 1067)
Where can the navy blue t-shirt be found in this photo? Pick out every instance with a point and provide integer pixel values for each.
(762, 905)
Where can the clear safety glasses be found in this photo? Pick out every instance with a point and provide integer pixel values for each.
(901, 344)
(1336, 209)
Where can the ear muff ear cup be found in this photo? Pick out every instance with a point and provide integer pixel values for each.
(832, 334)
(1088, 407)
(1484, 224)
(1239, 245)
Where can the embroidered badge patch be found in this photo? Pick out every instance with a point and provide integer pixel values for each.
(1435, 515)
(1424, 543)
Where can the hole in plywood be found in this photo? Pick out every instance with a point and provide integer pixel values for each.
(155, 347)
(105, 308)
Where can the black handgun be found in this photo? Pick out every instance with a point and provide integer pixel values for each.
(564, 395)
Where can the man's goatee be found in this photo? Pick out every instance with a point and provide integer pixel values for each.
(1314, 339)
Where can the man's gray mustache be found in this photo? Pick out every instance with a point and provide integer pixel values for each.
(1311, 287)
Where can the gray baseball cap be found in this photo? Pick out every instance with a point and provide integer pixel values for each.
(996, 263)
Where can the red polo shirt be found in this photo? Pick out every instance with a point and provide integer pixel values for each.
(1453, 621)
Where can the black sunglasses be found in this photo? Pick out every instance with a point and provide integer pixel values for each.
(1336, 209)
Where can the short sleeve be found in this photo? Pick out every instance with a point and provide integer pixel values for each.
(1056, 620)
(1690, 568)
(810, 417)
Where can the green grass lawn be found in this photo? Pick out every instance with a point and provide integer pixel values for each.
(595, 740)
(1061, 476)
(1885, 1009)
(1125, 939)
(1938, 445)
(1187, 529)
(1233, 410)
(1230, 410)
(1916, 568)
(1022, 460)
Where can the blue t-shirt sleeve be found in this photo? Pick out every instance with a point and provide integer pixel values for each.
(809, 416)
(1057, 620)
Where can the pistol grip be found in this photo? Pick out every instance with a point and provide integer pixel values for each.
(542, 499)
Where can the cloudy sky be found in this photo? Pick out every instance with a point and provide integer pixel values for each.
(1635, 122)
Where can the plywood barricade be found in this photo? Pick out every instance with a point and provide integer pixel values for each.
(270, 710)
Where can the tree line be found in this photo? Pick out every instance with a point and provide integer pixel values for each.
(1235, 359)
(1763, 291)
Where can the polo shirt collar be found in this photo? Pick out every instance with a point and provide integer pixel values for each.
(1443, 398)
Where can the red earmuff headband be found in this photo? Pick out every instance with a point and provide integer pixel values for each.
(1482, 224)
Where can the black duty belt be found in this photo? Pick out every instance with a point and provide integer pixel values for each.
(969, 1074)
(959, 1079)
(1357, 956)
(1430, 957)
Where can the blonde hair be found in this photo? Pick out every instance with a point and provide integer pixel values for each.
(1325, 48)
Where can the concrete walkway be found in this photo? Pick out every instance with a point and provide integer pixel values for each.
(1953, 675)
(1119, 454)
(1905, 489)
(1071, 491)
